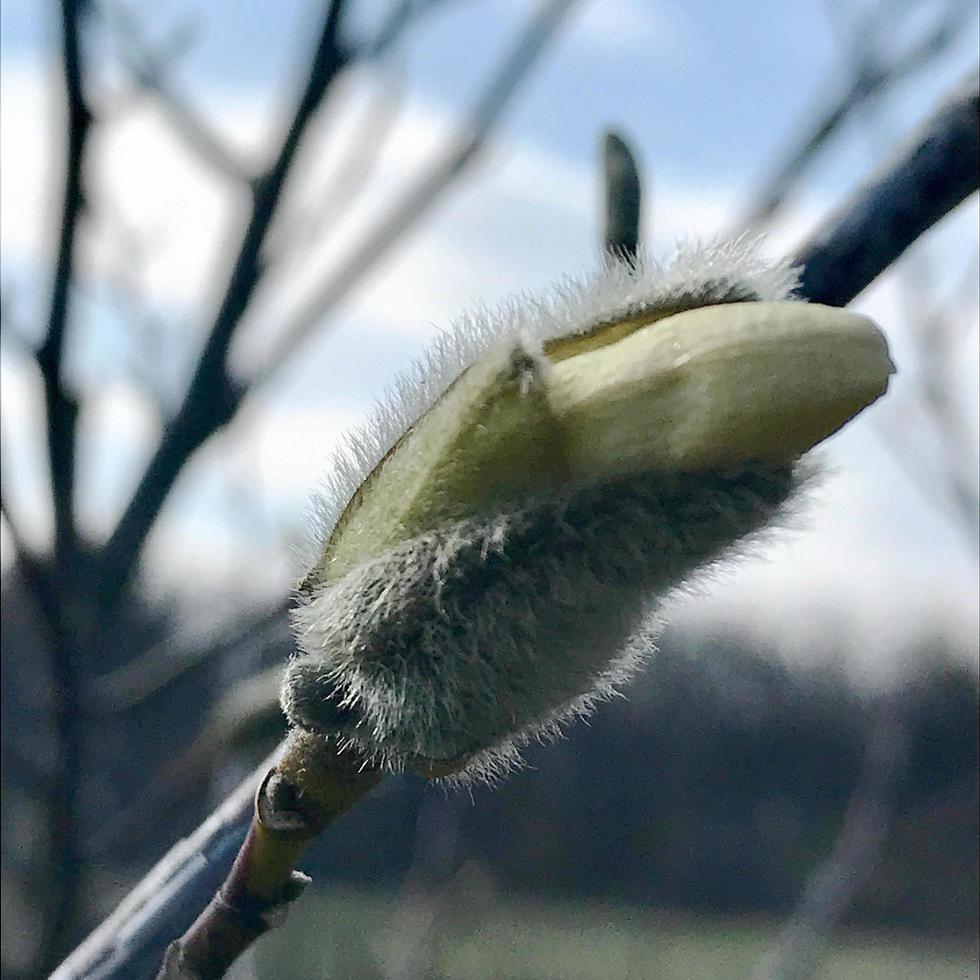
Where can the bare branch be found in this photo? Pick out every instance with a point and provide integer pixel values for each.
(403, 15)
(864, 832)
(341, 188)
(61, 414)
(22, 549)
(938, 170)
(149, 70)
(151, 674)
(61, 409)
(461, 149)
(869, 80)
(622, 199)
(212, 398)
(130, 943)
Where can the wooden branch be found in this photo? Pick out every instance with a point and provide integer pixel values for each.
(49, 586)
(623, 199)
(939, 169)
(61, 409)
(869, 80)
(311, 785)
(130, 943)
(212, 398)
(460, 152)
(150, 72)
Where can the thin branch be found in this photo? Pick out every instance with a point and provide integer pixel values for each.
(412, 934)
(150, 71)
(937, 171)
(22, 549)
(342, 187)
(151, 674)
(403, 14)
(212, 398)
(831, 888)
(61, 415)
(130, 943)
(460, 152)
(61, 409)
(869, 80)
(623, 199)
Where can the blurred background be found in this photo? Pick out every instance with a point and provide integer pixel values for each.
(223, 236)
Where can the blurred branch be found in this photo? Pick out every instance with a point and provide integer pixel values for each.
(410, 949)
(870, 78)
(403, 14)
(245, 721)
(462, 148)
(61, 409)
(151, 674)
(949, 487)
(621, 178)
(61, 416)
(938, 170)
(864, 832)
(212, 398)
(150, 71)
(22, 549)
(130, 943)
(341, 189)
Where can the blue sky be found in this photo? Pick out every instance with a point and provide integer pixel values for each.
(710, 94)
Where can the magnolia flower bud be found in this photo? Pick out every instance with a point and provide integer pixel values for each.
(502, 544)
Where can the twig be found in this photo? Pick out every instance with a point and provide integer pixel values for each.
(61, 409)
(212, 397)
(311, 785)
(462, 148)
(937, 171)
(150, 673)
(933, 340)
(402, 16)
(411, 948)
(22, 549)
(864, 832)
(149, 71)
(49, 590)
(868, 81)
(243, 719)
(342, 186)
(622, 196)
(130, 943)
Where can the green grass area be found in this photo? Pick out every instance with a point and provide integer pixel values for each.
(472, 934)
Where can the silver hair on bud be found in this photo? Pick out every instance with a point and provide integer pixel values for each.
(494, 551)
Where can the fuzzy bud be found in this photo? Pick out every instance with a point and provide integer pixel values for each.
(500, 546)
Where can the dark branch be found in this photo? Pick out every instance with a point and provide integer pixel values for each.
(938, 170)
(61, 409)
(462, 149)
(168, 899)
(869, 80)
(622, 199)
(212, 398)
(49, 586)
(149, 70)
